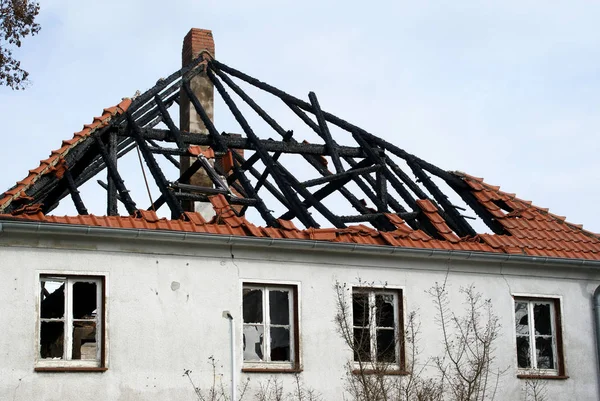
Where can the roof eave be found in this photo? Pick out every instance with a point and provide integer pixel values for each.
(36, 228)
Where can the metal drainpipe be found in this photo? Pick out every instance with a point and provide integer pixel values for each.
(597, 324)
(228, 316)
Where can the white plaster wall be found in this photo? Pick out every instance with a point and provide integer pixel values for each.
(156, 332)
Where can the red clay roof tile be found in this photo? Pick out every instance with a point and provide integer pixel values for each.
(195, 218)
(322, 234)
(528, 229)
(287, 224)
(149, 215)
(34, 174)
(426, 205)
(359, 234)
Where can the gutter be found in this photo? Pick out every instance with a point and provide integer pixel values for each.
(20, 227)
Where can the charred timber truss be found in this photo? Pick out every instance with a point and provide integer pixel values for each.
(370, 163)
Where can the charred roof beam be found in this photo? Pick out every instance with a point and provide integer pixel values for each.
(374, 216)
(220, 146)
(114, 173)
(234, 142)
(286, 135)
(111, 190)
(217, 141)
(159, 178)
(75, 196)
(176, 134)
(345, 174)
(142, 104)
(249, 189)
(327, 190)
(234, 200)
(281, 175)
(325, 134)
(454, 219)
(334, 120)
(382, 224)
(481, 211)
(262, 180)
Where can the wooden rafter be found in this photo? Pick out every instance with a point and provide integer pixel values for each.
(365, 170)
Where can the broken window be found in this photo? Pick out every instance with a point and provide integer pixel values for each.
(269, 314)
(537, 333)
(70, 322)
(377, 327)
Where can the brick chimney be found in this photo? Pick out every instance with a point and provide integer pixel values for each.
(196, 41)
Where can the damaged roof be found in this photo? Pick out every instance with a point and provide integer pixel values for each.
(388, 196)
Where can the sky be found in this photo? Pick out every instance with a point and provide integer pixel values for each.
(505, 90)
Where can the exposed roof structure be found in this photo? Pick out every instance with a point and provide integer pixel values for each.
(366, 189)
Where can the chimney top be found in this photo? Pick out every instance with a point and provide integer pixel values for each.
(196, 41)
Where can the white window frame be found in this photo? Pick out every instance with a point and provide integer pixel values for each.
(66, 362)
(267, 364)
(556, 335)
(397, 295)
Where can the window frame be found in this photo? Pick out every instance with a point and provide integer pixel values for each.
(372, 366)
(292, 366)
(67, 364)
(557, 345)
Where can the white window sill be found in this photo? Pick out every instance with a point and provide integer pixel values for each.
(540, 374)
(369, 368)
(270, 367)
(63, 366)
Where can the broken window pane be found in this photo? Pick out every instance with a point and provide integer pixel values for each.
(253, 342)
(69, 323)
(535, 334)
(280, 344)
(545, 354)
(362, 345)
(253, 306)
(521, 318)
(84, 300)
(386, 346)
(523, 353)
(279, 306)
(384, 310)
(360, 309)
(52, 339)
(53, 300)
(84, 340)
(541, 317)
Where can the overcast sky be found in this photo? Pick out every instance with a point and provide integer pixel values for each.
(505, 90)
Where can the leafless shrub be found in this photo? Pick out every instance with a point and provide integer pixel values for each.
(271, 390)
(535, 390)
(467, 366)
(302, 392)
(369, 379)
(217, 390)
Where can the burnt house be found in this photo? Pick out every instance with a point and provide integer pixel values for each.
(261, 223)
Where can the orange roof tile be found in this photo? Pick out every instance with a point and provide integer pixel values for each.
(532, 229)
(528, 229)
(55, 163)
